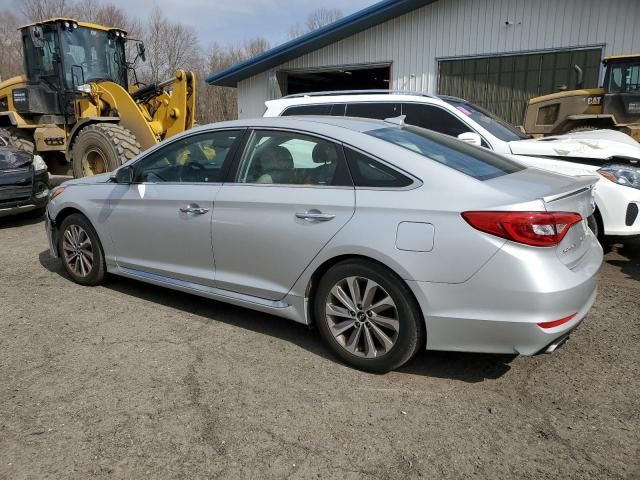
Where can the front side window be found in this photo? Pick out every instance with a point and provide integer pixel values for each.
(41, 60)
(476, 162)
(289, 158)
(193, 159)
(624, 78)
(93, 55)
(433, 118)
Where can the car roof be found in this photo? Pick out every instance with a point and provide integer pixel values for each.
(306, 122)
(361, 96)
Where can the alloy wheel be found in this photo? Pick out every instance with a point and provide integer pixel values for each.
(362, 317)
(78, 250)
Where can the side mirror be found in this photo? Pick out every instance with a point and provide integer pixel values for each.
(141, 51)
(471, 137)
(123, 175)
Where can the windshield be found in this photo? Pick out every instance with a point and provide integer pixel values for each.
(476, 162)
(490, 122)
(624, 78)
(92, 55)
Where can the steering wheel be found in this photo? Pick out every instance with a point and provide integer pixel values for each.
(190, 169)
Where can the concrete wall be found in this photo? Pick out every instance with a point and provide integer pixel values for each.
(452, 28)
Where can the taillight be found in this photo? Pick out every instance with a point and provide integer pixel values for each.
(539, 229)
(557, 323)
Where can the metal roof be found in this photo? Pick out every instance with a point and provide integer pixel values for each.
(336, 31)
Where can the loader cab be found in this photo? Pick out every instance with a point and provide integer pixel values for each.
(622, 88)
(622, 74)
(63, 54)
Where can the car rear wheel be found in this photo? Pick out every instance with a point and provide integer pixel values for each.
(367, 316)
(81, 250)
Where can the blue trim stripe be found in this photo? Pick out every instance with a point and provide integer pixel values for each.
(343, 28)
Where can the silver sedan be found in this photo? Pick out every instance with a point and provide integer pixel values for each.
(389, 238)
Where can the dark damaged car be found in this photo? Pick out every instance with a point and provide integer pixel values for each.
(23, 182)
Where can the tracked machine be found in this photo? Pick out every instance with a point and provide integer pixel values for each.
(74, 105)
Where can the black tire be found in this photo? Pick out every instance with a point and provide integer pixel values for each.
(102, 147)
(409, 337)
(38, 213)
(94, 275)
(583, 128)
(596, 226)
(18, 138)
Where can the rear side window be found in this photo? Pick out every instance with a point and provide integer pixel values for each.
(476, 162)
(324, 109)
(367, 172)
(379, 111)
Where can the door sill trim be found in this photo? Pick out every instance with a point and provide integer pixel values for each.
(212, 292)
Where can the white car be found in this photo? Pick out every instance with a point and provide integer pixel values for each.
(612, 155)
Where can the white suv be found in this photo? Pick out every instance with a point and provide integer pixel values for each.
(613, 155)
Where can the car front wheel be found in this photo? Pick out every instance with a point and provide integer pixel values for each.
(367, 316)
(81, 251)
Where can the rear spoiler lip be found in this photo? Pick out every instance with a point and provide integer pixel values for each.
(582, 184)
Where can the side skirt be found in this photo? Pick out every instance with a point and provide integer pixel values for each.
(291, 307)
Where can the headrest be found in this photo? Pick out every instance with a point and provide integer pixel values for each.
(324, 153)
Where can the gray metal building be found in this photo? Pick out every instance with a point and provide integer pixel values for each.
(496, 53)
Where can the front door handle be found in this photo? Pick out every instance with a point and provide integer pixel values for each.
(194, 208)
(315, 215)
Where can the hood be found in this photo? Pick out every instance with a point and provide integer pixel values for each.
(556, 165)
(596, 145)
(12, 158)
(102, 178)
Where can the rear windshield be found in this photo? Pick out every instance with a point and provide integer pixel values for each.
(476, 162)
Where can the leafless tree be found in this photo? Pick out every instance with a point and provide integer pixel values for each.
(34, 10)
(221, 103)
(322, 17)
(169, 45)
(317, 19)
(10, 45)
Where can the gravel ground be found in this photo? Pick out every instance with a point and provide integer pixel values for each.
(135, 381)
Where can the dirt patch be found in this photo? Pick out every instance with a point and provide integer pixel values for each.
(131, 380)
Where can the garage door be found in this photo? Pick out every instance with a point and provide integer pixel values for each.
(504, 84)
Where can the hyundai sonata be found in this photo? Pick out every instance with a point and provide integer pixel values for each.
(389, 238)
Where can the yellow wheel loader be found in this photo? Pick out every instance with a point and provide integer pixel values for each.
(74, 106)
(614, 106)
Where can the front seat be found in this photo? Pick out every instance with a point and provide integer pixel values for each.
(276, 165)
(325, 155)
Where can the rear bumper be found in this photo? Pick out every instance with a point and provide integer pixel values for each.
(499, 308)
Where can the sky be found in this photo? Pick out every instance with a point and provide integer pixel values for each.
(232, 21)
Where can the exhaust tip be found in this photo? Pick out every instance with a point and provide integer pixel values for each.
(556, 344)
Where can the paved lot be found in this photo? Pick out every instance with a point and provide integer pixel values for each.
(134, 381)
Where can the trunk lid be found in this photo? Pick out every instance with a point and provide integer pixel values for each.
(559, 193)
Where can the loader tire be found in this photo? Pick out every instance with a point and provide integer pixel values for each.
(18, 138)
(102, 147)
(584, 128)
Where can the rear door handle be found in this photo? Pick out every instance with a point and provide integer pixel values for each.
(194, 208)
(315, 215)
